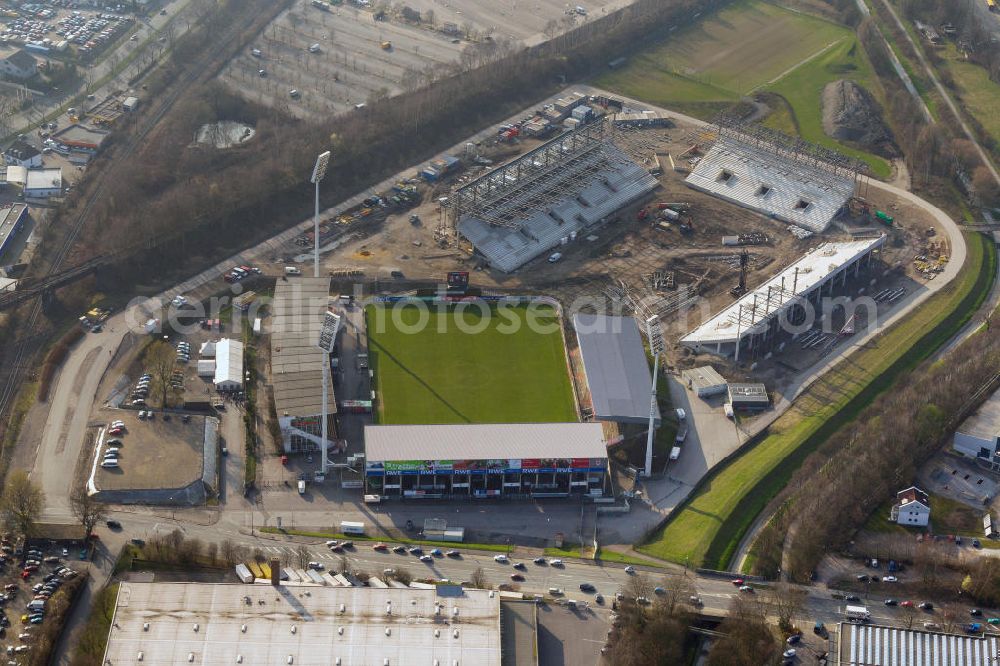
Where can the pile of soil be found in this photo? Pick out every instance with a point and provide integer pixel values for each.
(850, 113)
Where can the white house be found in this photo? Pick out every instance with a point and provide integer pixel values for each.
(912, 507)
(228, 365)
(23, 154)
(18, 65)
(43, 183)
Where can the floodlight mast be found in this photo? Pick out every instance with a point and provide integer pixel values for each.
(319, 172)
(327, 341)
(655, 337)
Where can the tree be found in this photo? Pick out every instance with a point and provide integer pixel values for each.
(748, 640)
(228, 551)
(160, 361)
(21, 503)
(87, 509)
(302, 557)
(787, 600)
(478, 578)
(403, 576)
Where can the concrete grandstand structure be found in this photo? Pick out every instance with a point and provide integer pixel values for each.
(299, 309)
(519, 460)
(548, 196)
(752, 326)
(783, 178)
(203, 623)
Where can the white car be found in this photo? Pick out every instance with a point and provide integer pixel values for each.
(554, 257)
(556, 563)
(502, 559)
(681, 414)
(630, 570)
(889, 579)
(117, 424)
(331, 544)
(728, 409)
(179, 300)
(316, 566)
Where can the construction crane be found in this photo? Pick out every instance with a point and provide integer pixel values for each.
(741, 288)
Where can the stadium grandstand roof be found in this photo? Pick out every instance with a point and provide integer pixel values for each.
(767, 173)
(534, 203)
(484, 441)
(615, 364)
(298, 311)
(864, 645)
(254, 625)
(753, 312)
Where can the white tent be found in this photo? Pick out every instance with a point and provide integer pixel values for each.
(229, 365)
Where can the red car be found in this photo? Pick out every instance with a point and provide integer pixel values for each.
(906, 604)
(516, 576)
(25, 574)
(737, 582)
(380, 546)
(116, 431)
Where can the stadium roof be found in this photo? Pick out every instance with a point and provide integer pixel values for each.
(775, 185)
(484, 441)
(303, 623)
(563, 187)
(863, 645)
(815, 267)
(298, 311)
(614, 361)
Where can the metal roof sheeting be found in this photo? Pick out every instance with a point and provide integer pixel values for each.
(789, 182)
(614, 361)
(298, 311)
(228, 362)
(865, 645)
(484, 442)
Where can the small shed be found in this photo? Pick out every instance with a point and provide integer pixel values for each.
(206, 367)
(705, 381)
(749, 396)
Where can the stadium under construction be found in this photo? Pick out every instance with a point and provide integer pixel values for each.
(548, 196)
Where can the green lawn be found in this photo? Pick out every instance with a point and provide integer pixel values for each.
(751, 46)
(708, 527)
(427, 370)
(978, 94)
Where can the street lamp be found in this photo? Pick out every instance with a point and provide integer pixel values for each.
(655, 337)
(327, 340)
(319, 171)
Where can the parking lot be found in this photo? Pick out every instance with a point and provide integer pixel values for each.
(63, 30)
(358, 56)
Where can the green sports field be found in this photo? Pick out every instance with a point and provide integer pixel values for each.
(428, 370)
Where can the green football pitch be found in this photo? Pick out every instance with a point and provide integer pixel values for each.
(506, 367)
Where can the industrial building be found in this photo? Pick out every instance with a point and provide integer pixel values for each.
(254, 625)
(705, 381)
(21, 153)
(748, 397)
(867, 644)
(298, 311)
(81, 138)
(547, 197)
(228, 365)
(43, 183)
(516, 460)
(783, 178)
(979, 435)
(753, 325)
(12, 219)
(617, 372)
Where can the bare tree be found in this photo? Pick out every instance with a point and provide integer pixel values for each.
(478, 578)
(403, 576)
(344, 565)
(787, 600)
(87, 509)
(748, 640)
(160, 362)
(21, 503)
(302, 556)
(228, 551)
(639, 586)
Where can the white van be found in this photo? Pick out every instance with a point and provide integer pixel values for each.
(302, 487)
(314, 48)
(36, 605)
(292, 270)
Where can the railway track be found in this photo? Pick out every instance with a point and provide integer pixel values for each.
(15, 364)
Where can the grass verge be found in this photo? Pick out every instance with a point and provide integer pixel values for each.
(94, 637)
(707, 528)
(492, 547)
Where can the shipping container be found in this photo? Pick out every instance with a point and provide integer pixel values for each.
(243, 573)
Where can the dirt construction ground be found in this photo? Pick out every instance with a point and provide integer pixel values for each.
(352, 65)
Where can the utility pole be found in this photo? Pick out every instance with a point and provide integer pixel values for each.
(655, 337)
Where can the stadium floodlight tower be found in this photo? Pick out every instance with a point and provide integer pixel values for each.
(655, 336)
(319, 171)
(327, 340)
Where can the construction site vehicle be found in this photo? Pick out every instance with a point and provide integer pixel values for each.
(386, 46)
(670, 214)
(884, 217)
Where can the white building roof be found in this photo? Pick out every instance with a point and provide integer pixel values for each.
(618, 373)
(511, 441)
(984, 423)
(787, 183)
(862, 645)
(228, 361)
(799, 278)
(44, 179)
(304, 623)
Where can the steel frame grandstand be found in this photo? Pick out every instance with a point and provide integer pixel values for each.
(507, 195)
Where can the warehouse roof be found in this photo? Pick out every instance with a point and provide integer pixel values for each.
(44, 179)
(484, 441)
(298, 311)
(861, 645)
(777, 294)
(614, 361)
(228, 361)
(703, 377)
(984, 423)
(303, 626)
